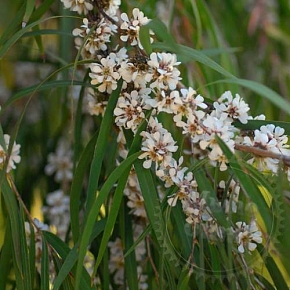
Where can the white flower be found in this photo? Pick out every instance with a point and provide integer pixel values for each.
(188, 97)
(104, 75)
(164, 73)
(96, 39)
(130, 28)
(95, 106)
(248, 236)
(158, 147)
(13, 156)
(111, 6)
(57, 211)
(268, 138)
(135, 70)
(168, 173)
(236, 108)
(79, 6)
(60, 162)
(135, 198)
(213, 126)
(193, 126)
(165, 101)
(130, 109)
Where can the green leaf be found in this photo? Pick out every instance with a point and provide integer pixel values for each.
(12, 40)
(44, 276)
(144, 36)
(184, 278)
(94, 212)
(30, 4)
(5, 257)
(41, 10)
(13, 25)
(41, 87)
(101, 147)
(13, 214)
(187, 54)
(63, 251)
(77, 185)
(274, 271)
(154, 213)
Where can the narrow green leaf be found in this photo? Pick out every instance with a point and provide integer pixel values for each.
(72, 256)
(144, 36)
(77, 185)
(154, 213)
(24, 251)
(126, 224)
(12, 40)
(41, 10)
(44, 276)
(187, 54)
(13, 25)
(101, 147)
(32, 253)
(94, 211)
(5, 257)
(41, 87)
(184, 278)
(40, 32)
(63, 251)
(273, 269)
(13, 213)
(30, 4)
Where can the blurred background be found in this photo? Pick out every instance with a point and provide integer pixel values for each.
(249, 38)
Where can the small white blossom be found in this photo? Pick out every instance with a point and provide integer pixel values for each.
(217, 126)
(157, 147)
(13, 157)
(164, 73)
(111, 6)
(96, 39)
(130, 27)
(130, 109)
(268, 138)
(135, 70)
(79, 6)
(165, 101)
(248, 236)
(94, 104)
(60, 162)
(236, 108)
(57, 211)
(104, 75)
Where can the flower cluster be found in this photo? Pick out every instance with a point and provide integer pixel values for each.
(116, 263)
(57, 208)
(56, 211)
(152, 91)
(60, 163)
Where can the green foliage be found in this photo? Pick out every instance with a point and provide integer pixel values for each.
(203, 35)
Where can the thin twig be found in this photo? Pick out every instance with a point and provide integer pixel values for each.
(263, 153)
